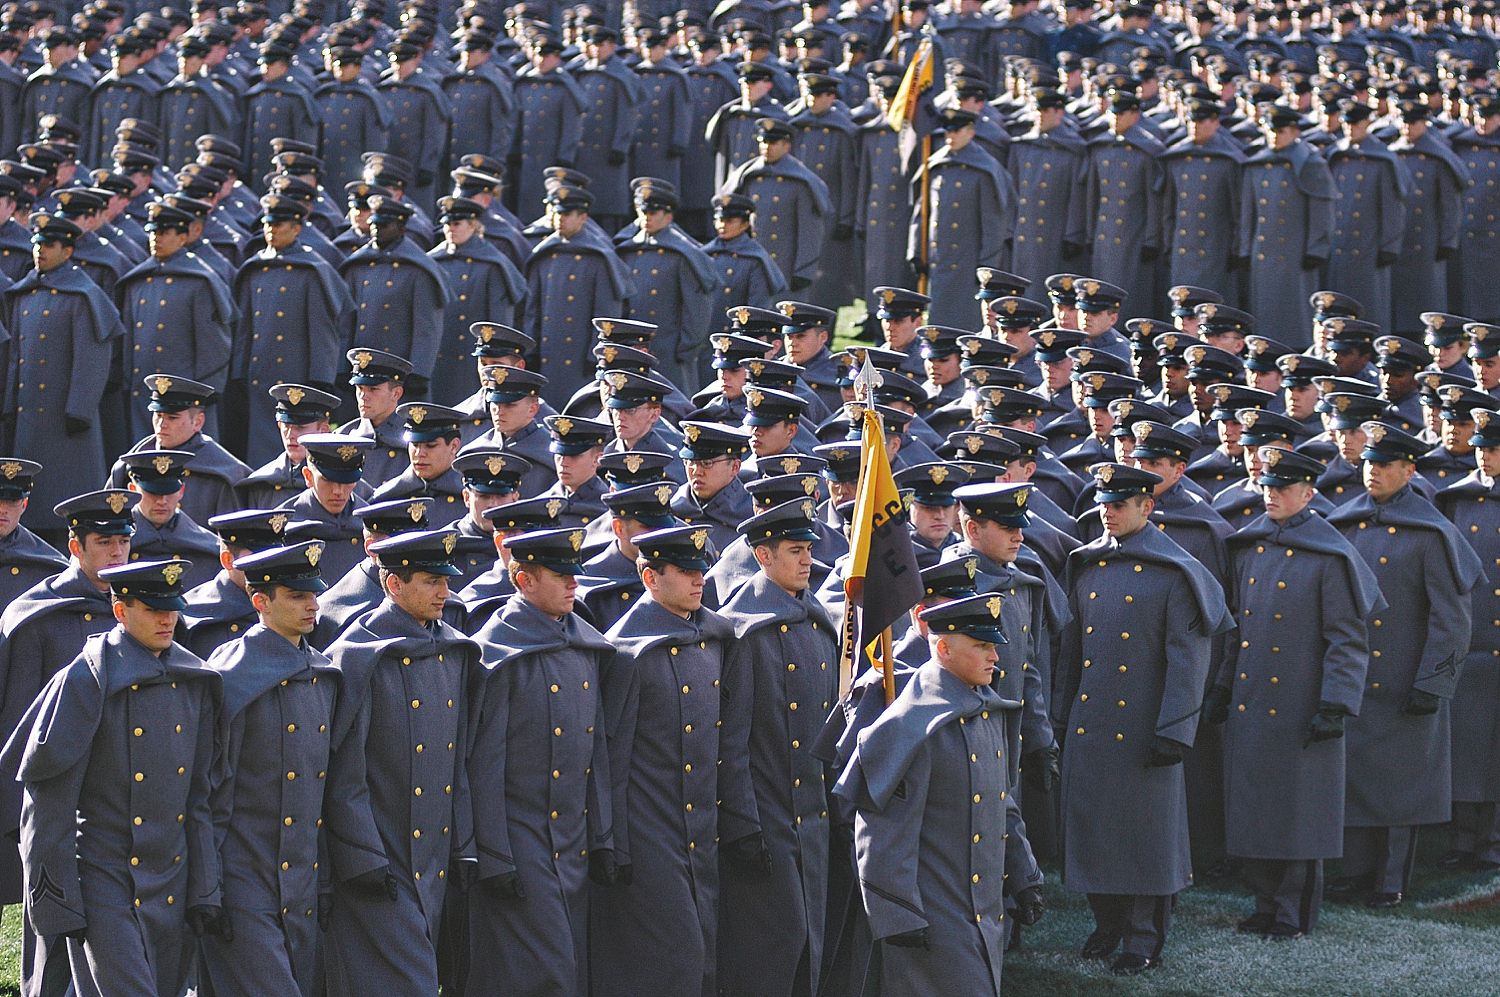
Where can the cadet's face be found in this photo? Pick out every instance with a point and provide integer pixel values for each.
(376, 402)
(1456, 435)
(280, 235)
(1124, 447)
(570, 223)
(1284, 501)
(1488, 459)
(1100, 421)
(152, 627)
(842, 491)
(730, 228)
(768, 441)
(173, 429)
(158, 509)
(1126, 517)
(478, 501)
(1384, 480)
(387, 234)
(942, 370)
(460, 231)
(1351, 363)
(653, 221)
(635, 422)
(1300, 400)
(1396, 383)
(432, 460)
(1057, 373)
(550, 591)
(1351, 442)
(49, 256)
(732, 382)
(289, 612)
(971, 661)
(1447, 356)
(1020, 469)
(899, 332)
(709, 477)
(422, 597)
(804, 344)
(999, 543)
(677, 589)
(574, 470)
(1020, 338)
(1202, 399)
(1229, 435)
(96, 552)
(933, 522)
(10, 516)
(291, 432)
(1486, 372)
(1098, 323)
(1174, 379)
(774, 151)
(1264, 380)
(512, 417)
(165, 242)
(331, 495)
(787, 563)
(1169, 470)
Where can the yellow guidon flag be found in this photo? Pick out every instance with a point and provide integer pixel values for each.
(917, 79)
(883, 582)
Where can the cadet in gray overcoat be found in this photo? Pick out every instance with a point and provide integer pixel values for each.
(793, 209)
(1144, 618)
(780, 680)
(1400, 750)
(551, 122)
(613, 96)
(1434, 221)
(1124, 185)
(1372, 185)
(1048, 164)
(1301, 595)
(1479, 149)
(1201, 204)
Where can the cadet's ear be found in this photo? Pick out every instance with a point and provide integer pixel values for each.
(118, 606)
(307, 475)
(762, 554)
(226, 559)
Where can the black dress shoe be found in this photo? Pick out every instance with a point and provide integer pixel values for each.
(1347, 890)
(1100, 945)
(1258, 923)
(1279, 932)
(1130, 964)
(1381, 901)
(1454, 858)
(1223, 869)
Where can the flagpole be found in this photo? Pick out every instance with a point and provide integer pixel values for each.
(926, 210)
(888, 665)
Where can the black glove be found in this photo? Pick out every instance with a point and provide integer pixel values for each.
(1327, 724)
(505, 887)
(1421, 704)
(799, 283)
(919, 266)
(1313, 262)
(1385, 258)
(1071, 250)
(624, 874)
(1165, 752)
(749, 856)
(325, 911)
(918, 939)
(205, 920)
(1239, 263)
(1446, 253)
(1029, 906)
(1216, 705)
(425, 178)
(843, 233)
(617, 158)
(462, 875)
(1041, 768)
(677, 152)
(377, 884)
(602, 868)
(74, 426)
(1150, 254)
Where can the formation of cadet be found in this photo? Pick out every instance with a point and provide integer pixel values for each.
(434, 579)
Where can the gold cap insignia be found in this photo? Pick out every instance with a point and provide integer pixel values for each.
(416, 415)
(1143, 429)
(888, 295)
(809, 484)
(633, 462)
(1249, 419)
(116, 502)
(495, 464)
(721, 343)
(162, 464)
(1170, 341)
(607, 328)
(450, 540)
(416, 511)
(1342, 402)
(1272, 456)
(1011, 306)
(1257, 346)
(1047, 338)
(1291, 362)
(979, 375)
(664, 494)
(1096, 381)
(974, 443)
(554, 507)
(691, 432)
(295, 395)
(10, 469)
(933, 332)
(563, 426)
(973, 346)
(1334, 325)
(576, 539)
(1221, 392)
(1376, 432)
(809, 509)
(1436, 321)
(1122, 407)
(790, 465)
(755, 397)
(1209, 310)
(162, 385)
(787, 308)
(1454, 393)
(347, 452)
(609, 353)
(700, 537)
(971, 565)
(1481, 419)
(1065, 282)
(486, 333)
(937, 474)
(498, 374)
(1179, 294)
(993, 604)
(1085, 357)
(617, 380)
(1091, 287)
(1195, 354)
(839, 454)
(742, 315)
(313, 553)
(1021, 497)
(277, 522)
(1106, 472)
(1480, 333)
(756, 366)
(362, 359)
(172, 572)
(985, 275)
